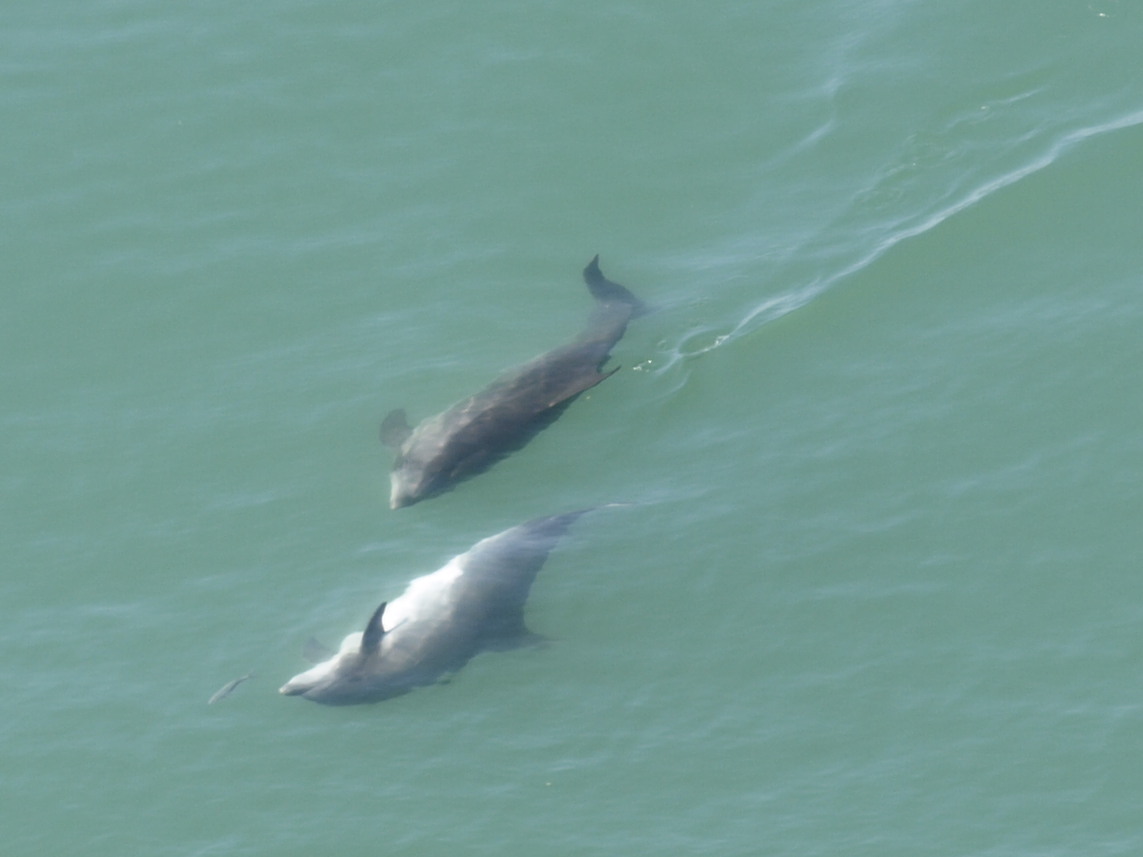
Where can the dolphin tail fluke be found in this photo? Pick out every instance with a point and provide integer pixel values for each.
(607, 292)
(551, 529)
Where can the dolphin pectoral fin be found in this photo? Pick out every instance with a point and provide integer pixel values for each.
(374, 631)
(395, 428)
(580, 385)
(603, 376)
(316, 652)
(522, 639)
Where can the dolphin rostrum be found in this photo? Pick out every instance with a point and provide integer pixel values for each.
(477, 432)
(474, 603)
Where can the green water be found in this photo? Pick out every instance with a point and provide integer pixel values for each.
(879, 593)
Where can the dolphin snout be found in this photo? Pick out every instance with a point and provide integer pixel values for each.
(400, 496)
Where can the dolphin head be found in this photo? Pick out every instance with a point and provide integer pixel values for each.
(354, 674)
(404, 488)
(408, 479)
(329, 681)
(410, 482)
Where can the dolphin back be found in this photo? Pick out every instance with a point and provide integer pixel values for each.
(499, 572)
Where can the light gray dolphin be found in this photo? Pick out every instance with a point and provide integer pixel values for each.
(474, 603)
(475, 433)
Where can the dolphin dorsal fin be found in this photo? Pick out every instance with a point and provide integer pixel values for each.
(374, 631)
(395, 428)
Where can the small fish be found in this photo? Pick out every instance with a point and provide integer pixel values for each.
(228, 688)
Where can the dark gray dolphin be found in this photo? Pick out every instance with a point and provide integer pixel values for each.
(475, 433)
(475, 603)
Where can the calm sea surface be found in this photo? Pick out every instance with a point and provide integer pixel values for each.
(880, 588)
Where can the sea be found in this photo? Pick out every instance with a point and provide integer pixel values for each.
(874, 587)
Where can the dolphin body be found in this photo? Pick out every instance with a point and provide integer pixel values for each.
(477, 432)
(474, 603)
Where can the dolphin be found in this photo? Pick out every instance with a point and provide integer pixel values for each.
(475, 433)
(474, 603)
